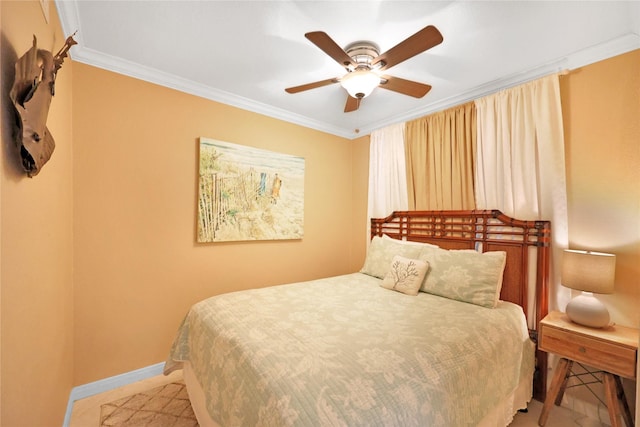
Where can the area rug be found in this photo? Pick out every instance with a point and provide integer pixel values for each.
(164, 406)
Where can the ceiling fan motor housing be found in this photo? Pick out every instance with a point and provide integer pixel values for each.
(362, 53)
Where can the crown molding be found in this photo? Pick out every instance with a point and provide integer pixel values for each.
(67, 10)
(152, 75)
(69, 17)
(596, 53)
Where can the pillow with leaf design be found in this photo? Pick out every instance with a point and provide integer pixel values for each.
(405, 275)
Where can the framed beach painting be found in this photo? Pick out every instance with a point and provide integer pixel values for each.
(246, 193)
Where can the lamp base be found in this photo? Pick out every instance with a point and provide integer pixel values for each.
(587, 310)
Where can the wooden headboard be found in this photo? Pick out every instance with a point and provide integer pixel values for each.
(488, 230)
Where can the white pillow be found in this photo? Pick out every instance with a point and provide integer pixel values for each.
(464, 275)
(381, 252)
(405, 275)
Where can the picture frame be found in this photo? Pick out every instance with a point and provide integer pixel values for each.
(246, 193)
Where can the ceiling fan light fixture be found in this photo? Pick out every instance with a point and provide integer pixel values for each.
(360, 83)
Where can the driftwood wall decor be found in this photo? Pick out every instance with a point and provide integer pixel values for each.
(31, 93)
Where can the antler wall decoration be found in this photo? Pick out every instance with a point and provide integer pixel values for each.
(33, 88)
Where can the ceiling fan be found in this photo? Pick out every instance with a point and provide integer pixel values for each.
(364, 65)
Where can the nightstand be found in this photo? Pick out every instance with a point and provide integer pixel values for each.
(612, 349)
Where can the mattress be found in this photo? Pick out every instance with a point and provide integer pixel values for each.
(345, 351)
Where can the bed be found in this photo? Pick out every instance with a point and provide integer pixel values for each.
(433, 330)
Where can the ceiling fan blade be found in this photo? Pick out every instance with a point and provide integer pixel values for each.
(313, 85)
(352, 104)
(406, 87)
(331, 48)
(423, 40)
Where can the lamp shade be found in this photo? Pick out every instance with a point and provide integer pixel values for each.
(360, 83)
(588, 271)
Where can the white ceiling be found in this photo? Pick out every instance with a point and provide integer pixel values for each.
(245, 53)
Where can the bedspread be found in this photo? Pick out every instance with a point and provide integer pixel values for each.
(343, 351)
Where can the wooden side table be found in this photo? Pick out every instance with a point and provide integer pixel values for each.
(613, 350)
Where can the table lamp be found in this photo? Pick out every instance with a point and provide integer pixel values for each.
(589, 272)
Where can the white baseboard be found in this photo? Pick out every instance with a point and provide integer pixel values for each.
(96, 387)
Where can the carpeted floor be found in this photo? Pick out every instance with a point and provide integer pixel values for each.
(165, 406)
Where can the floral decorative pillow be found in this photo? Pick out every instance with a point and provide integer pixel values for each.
(405, 275)
(381, 252)
(465, 275)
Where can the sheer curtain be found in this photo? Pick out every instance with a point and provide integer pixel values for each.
(520, 167)
(440, 150)
(387, 172)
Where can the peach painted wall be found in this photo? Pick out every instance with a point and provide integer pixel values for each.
(37, 244)
(360, 194)
(122, 198)
(137, 265)
(601, 110)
